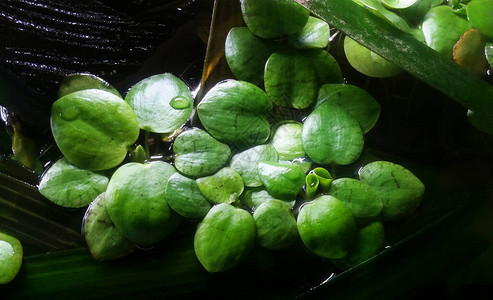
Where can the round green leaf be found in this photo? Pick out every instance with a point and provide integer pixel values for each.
(282, 181)
(315, 34)
(246, 163)
(199, 154)
(370, 240)
(184, 197)
(326, 227)
(69, 186)
(246, 54)
(287, 140)
(236, 111)
(327, 69)
(361, 199)
(276, 226)
(442, 28)
(225, 186)
(399, 190)
(368, 62)
(332, 135)
(11, 255)
(105, 242)
(273, 18)
(356, 101)
(290, 79)
(93, 128)
(224, 237)
(480, 14)
(78, 82)
(136, 202)
(253, 197)
(163, 103)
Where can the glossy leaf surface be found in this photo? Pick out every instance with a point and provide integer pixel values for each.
(184, 197)
(136, 202)
(247, 54)
(224, 237)
(162, 103)
(332, 135)
(225, 186)
(326, 227)
(399, 190)
(283, 181)
(275, 225)
(78, 82)
(273, 18)
(355, 100)
(102, 125)
(290, 80)
(361, 199)
(11, 256)
(236, 111)
(246, 163)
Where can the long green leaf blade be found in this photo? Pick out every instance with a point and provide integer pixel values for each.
(404, 50)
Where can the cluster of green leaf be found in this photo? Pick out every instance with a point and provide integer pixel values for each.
(459, 30)
(247, 175)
